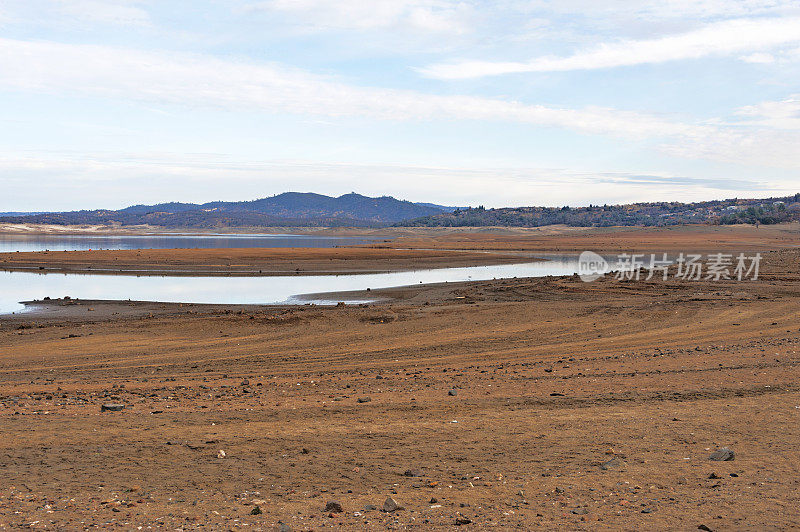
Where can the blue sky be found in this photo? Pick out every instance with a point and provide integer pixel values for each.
(106, 103)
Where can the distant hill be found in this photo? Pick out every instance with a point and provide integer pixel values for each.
(730, 211)
(287, 209)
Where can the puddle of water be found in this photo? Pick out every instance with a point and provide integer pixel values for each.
(25, 286)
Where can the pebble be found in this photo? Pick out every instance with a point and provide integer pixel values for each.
(390, 505)
(722, 455)
(453, 392)
(333, 506)
(366, 399)
(111, 407)
(415, 472)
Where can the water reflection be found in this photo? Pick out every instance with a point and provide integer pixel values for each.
(25, 286)
(22, 242)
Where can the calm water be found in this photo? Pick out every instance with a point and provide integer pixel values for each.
(24, 286)
(10, 243)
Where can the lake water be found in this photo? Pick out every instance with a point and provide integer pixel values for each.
(22, 242)
(25, 286)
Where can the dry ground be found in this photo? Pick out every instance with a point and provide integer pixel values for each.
(577, 406)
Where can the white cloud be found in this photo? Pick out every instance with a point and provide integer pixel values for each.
(120, 12)
(438, 16)
(760, 58)
(196, 80)
(783, 114)
(665, 9)
(722, 38)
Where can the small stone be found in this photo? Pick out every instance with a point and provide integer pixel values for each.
(434, 500)
(580, 511)
(415, 472)
(704, 527)
(256, 510)
(283, 527)
(111, 407)
(453, 392)
(333, 506)
(714, 476)
(647, 510)
(365, 399)
(221, 454)
(462, 520)
(245, 382)
(722, 455)
(390, 505)
(614, 463)
(370, 508)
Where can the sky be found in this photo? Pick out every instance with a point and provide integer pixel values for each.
(108, 103)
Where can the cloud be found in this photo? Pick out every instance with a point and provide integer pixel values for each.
(119, 12)
(198, 80)
(660, 9)
(437, 16)
(721, 38)
(783, 114)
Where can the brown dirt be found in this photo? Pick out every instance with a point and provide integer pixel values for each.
(554, 378)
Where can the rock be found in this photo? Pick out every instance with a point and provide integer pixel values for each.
(704, 527)
(580, 511)
(256, 510)
(333, 506)
(111, 407)
(221, 454)
(415, 472)
(283, 527)
(647, 510)
(722, 455)
(433, 500)
(365, 399)
(614, 463)
(370, 508)
(453, 392)
(714, 476)
(462, 520)
(245, 382)
(390, 505)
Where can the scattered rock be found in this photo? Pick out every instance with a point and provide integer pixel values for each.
(453, 392)
(111, 407)
(365, 399)
(333, 506)
(415, 472)
(390, 505)
(722, 455)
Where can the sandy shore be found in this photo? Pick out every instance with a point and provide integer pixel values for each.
(517, 404)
